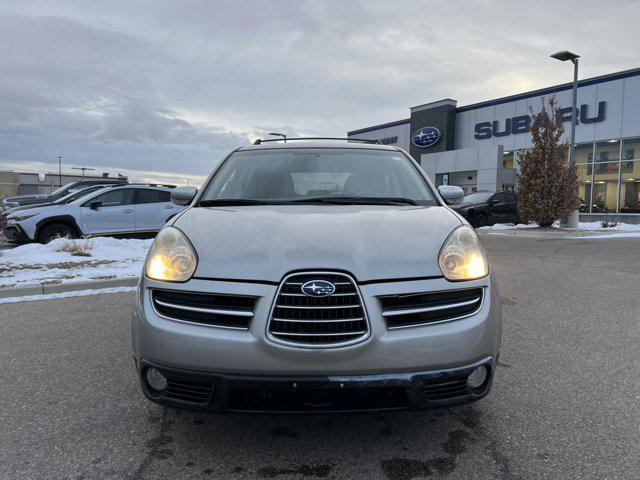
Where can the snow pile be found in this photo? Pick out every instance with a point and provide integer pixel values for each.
(626, 227)
(508, 226)
(63, 261)
(589, 226)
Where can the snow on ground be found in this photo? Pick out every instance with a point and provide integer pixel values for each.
(624, 227)
(508, 226)
(589, 226)
(63, 261)
(77, 293)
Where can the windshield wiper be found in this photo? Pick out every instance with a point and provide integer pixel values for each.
(358, 200)
(230, 202)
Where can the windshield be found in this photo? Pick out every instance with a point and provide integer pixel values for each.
(70, 197)
(478, 197)
(63, 189)
(298, 175)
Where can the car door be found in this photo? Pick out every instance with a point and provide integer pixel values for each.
(153, 208)
(112, 212)
(498, 208)
(512, 207)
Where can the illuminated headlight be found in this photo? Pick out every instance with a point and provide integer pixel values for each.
(462, 256)
(171, 258)
(19, 218)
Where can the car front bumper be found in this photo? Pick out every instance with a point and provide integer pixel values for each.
(399, 360)
(14, 233)
(236, 393)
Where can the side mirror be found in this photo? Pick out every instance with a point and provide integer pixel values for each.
(183, 195)
(450, 193)
(95, 205)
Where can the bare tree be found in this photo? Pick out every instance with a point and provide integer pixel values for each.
(547, 187)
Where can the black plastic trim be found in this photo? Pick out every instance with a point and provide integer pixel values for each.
(57, 219)
(412, 383)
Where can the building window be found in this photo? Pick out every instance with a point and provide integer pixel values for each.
(583, 153)
(631, 149)
(630, 187)
(605, 188)
(608, 151)
(507, 159)
(585, 173)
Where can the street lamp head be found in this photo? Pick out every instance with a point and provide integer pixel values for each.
(564, 56)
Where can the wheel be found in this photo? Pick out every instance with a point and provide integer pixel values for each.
(56, 230)
(480, 220)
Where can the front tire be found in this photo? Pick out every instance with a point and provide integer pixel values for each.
(480, 220)
(56, 230)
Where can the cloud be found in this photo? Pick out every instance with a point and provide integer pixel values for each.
(172, 86)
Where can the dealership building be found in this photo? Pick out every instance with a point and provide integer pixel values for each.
(475, 146)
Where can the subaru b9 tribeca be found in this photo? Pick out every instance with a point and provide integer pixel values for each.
(315, 276)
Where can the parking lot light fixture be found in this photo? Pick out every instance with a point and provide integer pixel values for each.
(572, 219)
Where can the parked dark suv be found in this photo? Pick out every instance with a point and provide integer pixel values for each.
(487, 208)
(56, 194)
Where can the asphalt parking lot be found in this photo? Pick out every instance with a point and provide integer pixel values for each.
(565, 403)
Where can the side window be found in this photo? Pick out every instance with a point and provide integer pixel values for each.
(148, 195)
(512, 197)
(499, 197)
(115, 198)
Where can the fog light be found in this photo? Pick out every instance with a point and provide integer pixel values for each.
(477, 377)
(156, 380)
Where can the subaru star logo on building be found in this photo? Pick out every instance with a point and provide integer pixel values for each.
(318, 288)
(425, 137)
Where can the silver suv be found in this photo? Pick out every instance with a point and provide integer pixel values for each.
(316, 276)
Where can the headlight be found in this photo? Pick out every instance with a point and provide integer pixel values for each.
(462, 256)
(171, 258)
(19, 218)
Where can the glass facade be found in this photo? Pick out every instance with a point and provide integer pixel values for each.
(609, 176)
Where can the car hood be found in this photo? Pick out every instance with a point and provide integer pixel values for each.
(267, 242)
(30, 210)
(464, 206)
(27, 198)
(9, 211)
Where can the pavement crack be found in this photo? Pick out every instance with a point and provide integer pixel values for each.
(155, 448)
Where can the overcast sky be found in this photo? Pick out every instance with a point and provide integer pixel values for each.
(161, 90)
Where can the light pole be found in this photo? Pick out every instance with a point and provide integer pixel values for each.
(83, 169)
(572, 219)
(60, 170)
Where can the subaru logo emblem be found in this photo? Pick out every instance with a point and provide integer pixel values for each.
(425, 137)
(318, 288)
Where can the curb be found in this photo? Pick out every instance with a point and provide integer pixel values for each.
(67, 287)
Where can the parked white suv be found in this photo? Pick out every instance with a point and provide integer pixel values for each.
(131, 210)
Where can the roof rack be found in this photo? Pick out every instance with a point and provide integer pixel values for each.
(115, 185)
(285, 140)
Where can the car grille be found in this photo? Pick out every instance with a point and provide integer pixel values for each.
(335, 320)
(230, 311)
(445, 389)
(189, 390)
(427, 308)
